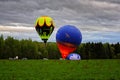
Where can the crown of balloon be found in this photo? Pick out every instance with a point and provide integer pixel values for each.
(44, 21)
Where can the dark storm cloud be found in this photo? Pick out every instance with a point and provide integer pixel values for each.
(91, 13)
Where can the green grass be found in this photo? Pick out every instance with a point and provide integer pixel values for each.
(60, 70)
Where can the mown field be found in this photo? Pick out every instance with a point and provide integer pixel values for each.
(60, 70)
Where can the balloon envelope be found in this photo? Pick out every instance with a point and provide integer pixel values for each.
(73, 56)
(68, 38)
(44, 26)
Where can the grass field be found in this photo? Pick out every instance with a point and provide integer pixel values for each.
(60, 70)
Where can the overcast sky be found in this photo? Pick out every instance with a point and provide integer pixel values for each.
(98, 20)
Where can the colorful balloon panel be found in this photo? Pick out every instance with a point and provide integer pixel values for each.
(65, 48)
(44, 26)
(68, 38)
(73, 56)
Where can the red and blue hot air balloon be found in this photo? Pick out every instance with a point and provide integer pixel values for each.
(68, 38)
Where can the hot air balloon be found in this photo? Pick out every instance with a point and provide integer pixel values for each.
(68, 38)
(73, 56)
(44, 26)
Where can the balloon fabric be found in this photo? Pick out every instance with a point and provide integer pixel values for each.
(68, 38)
(73, 56)
(44, 26)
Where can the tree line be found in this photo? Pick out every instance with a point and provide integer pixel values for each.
(10, 47)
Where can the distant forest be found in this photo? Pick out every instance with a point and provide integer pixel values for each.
(10, 47)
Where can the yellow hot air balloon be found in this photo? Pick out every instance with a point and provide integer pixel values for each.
(44, 26)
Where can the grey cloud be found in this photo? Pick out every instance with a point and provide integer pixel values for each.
(104, 13)
(8, 0)
(111, 1)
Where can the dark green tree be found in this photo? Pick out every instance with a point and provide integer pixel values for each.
(2, 43)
